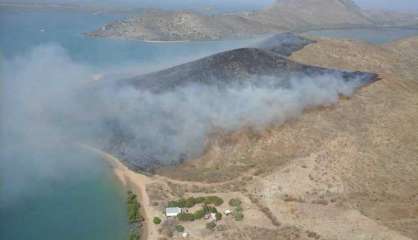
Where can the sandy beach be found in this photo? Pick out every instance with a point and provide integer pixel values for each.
(135, 182)
(156, 41)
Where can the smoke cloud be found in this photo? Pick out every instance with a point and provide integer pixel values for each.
(48, 102)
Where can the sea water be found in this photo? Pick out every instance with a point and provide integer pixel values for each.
(65, 193)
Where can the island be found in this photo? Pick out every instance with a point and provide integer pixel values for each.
(281, 16)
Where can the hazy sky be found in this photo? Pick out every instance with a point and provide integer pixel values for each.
(404, 5)
(401, 5)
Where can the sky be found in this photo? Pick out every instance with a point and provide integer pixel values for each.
(399, 5)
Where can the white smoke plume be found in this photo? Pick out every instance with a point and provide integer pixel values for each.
(44, 104)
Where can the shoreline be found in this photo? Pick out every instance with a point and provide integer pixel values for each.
(135, 182)
(165, 41)
(296, 31)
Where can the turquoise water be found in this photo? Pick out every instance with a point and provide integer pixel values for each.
(372, 35)
(80, 200)
(50, 191)
(20, 31)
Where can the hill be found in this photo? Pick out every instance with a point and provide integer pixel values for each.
(282, 15)
(239, 66)
(308, 14)
(343, 172)
(160, 25)
(241, 87)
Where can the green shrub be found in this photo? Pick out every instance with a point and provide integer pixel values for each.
(218, 216)
(157, 220)
(199, 214)
(189, 202)
(186, 217)
(173, 204)
(209, 209)
(217, 201)
(199, 200)
(133, 235)
(133, 208)
(238, 216)
(211, 225)
(179, 228)
(181, 203)
(238, 209)
(131, 196)
(234, 202)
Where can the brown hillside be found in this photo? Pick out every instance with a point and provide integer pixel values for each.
(345, 172)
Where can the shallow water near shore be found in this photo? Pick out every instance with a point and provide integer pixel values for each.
(78, 200)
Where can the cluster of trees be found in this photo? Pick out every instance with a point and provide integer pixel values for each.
(134, 215)
(237, 213)
(192, 201)
(133, 208)
(134, 235)
(199, 214)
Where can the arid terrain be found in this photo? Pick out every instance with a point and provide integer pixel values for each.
(346, 171)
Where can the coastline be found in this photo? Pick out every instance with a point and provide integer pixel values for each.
(165, 41)
(136, 182)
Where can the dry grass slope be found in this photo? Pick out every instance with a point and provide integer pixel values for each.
(348, 171)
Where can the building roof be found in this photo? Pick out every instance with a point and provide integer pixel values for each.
(173, 210)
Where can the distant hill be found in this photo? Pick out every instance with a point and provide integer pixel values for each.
(160, 25)
(301, 14)
(281, 16)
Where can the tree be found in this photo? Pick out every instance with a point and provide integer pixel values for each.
(134, 235)
(173, 204)
(234, 202)
(199, 200)
(211, 225)
(133, 208)
(157, 220)
(217, 201)
(199, 214)
(179, 228)
(218, 216)
(239, 216)
(209, 209)
(189, 202)
(186, 217)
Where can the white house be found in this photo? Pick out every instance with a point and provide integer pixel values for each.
(172, 212)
